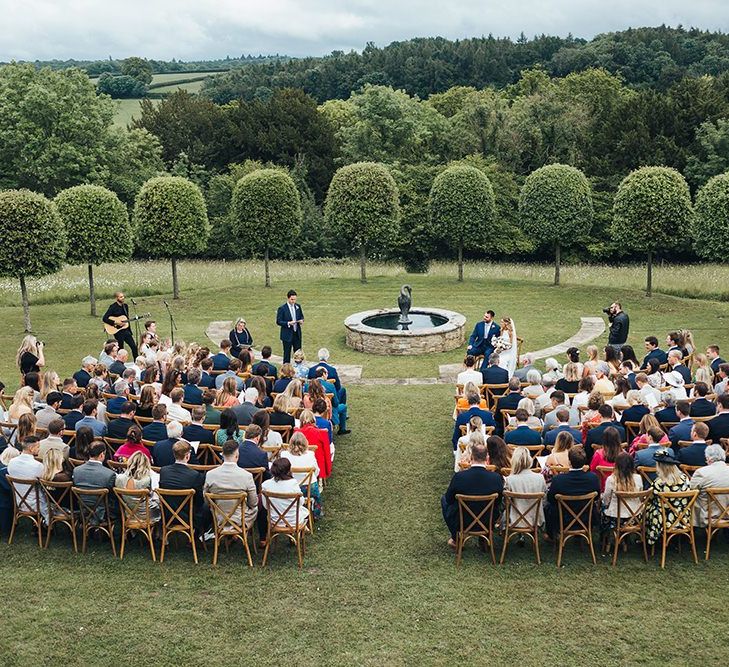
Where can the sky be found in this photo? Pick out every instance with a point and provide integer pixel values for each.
(200, 29)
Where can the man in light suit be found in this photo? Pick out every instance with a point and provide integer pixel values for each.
(558, 399)
(562, 416)
(229, 478)
(714, 475)
(481, 340)
(290, 317)
(93, 475)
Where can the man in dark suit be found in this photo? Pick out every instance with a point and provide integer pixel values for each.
(701, 406)
(119, 427)
(250, 455)
(635, 412)
(494, 374)
(121, 389)
(682, 430)
(156, 430)
(290, 317)
(473, 411)
(482, 338)
(195, 431)
(207, 380)
(332, 374)
(162, 452)
(575, 482)
(563, 424)
(719, 425)
(667, 414)
(70, 389)
(675, 364)
(264, 366)
(628, 372)
(193, 393)
(221, 360)
(475, 481)
(695, 453)
(178, 476)
(76, 414)
(118, 366)
(508, 401)
(712, 353)
(595, 434)
(522, 434)
(84, 375)
(653, 352)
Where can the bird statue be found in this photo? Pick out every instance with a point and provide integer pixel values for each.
(404, 301)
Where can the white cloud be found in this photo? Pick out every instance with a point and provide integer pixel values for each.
(214, 28)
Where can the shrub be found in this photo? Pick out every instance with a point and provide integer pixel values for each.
(711, 223)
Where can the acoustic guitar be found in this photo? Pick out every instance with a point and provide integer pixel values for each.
(122, 323)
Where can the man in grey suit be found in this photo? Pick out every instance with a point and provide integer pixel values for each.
(558, 403)
(229, 478)
(714, 475)
(93, 475)
(245, 411)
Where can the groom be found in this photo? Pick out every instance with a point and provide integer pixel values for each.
(481, 340)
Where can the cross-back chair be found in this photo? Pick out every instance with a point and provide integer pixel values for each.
(94, 508)
(136, 515)
(223, 508)
(524, 521)
(59, 501)
(681, 523)
(577, 511)
(177, 510)
(280, 524)
(475, 522)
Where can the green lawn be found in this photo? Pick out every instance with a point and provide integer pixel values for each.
(126, 110)
(379, 585)
(190, 87)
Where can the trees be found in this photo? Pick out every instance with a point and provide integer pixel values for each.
(137, 68)
(120, 87)
(266, 207)
(711, 223)
(652, 213)
(461, 208)
(97, 229)
(33, 239)
(171, 220)
(362, 208)
(711, 152)
(555, 208)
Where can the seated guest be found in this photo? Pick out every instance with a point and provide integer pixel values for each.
(246, 361)
(49, 413)
(712, 354)
(300, 366)
(101, 378)
(559, 402)
(339, 409)
(229, 428)
(25, 466)
(89, 419)
(147, 401)
(109, 353)
(70, 389)
(212, 414)
(6, 494)
(332, 373)
(623, 479)
(509, 400)
(250, 454)
(654, 374)
(493, 373)
(559, 455)
(121, 389)
(532, 420)
(668, 478)
(701, 406)
(82, 444)
(227, 396)
(54, 439)
(240, 338)
(231, 372)
(472, 437)
(573, 357)
(475, 481)
(287, 375)
(554, 371)
(627, 371)
(656, 439)
(667, 414)
(179, 476)
(195, 431)
(651, 396)
(319, 437)
(265, 365)
(642, 439)
(119, 365)
(526, 364)
(206, 379)
(569, 384)
(562, 426)
(279, 416)
(282, 481)
(244, 411)
(264, 400)
(595, 435)
(522, 434)
(544, 401)
(719, 425)
(473, 401)
(674, 343)
(132, 445)
(676, 365)
(534, 387)
(524, 480)
(321, 420)
(499, 454)
(56, 469)
(163, 450)
(22, 404)
(714, 475)
(575, 482)
(469, 374)
(94, 474)
(587, 384)
(694, 454)
(119, 427)
(93, 393)
(302, 457)
(702, 372)
(230, 478)
(636, 410)
(607, 454)
(26, 428)
(221, 360)
(653, 352)
(682, 430)
(612, 359)
(139, 475)
(85, 374)
(620, 400)
(675, 381)
(175, 409)
(156, 430)
(462, 402)
(602, 382)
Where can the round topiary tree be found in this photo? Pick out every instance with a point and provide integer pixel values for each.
(266, 207)
(171, 220)
(652, 213)
(33, 240)
(97, 228)
(555, 208)
(462, 207)
(362, 208)
(711, 222)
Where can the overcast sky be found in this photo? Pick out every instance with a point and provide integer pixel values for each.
(196, 29)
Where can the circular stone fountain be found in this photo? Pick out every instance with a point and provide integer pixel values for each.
(403, 331)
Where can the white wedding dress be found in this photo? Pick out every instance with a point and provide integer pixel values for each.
(508, 349)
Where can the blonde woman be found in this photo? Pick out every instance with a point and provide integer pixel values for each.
(301, 368)
(137, 476)
(506, 345)
(468, 389)
(668, 478)
(570, 383)
(227, 397)
(524, 480)
(475, 437)
(701, 369)
(30, 357)
(55, 467)
(592, 360)
(559, 455)
(302, 457)
(687, 341)
(294, 393)
(22, 404)
(49, 382)
(26, 427)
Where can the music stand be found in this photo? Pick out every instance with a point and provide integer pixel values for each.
(173, 325)
(136, 322)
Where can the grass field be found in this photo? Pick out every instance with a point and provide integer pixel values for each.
(126, 110)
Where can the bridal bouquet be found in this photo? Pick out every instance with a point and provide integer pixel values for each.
(502, 343)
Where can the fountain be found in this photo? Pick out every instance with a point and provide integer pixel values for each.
(405, 331)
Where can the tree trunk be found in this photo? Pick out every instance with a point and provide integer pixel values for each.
(265, 264)
(460, 262)
(92, 291)
(649, 282)
(556, 263)
(363, 264)
(175, 285)
(26, 304)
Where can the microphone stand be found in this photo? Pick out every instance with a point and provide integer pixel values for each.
(136, 321)
(173, 325)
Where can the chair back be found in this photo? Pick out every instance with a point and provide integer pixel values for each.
(677, 520)
(575, 514)
(522, 520)
(134, 506)
(631, 430)
(648, 473)
(223, 508)
(69, 436)
(476, 514)
(689, 470)
(285, 431)
(631, 509)
(177, 509)
(278, 520)
(257, 476)
(117, 466)
(603, 472)
(717, 505)
(58, 498)
(26, 496)
(491, 393)
(112, 444)
(93, 505)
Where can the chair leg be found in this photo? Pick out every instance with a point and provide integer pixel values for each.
(663, 551)
(194, 548)
(165, 537)
(708, 542)
(215, 549)
(503, 548)
(244, 539)
(491, 547)
(692, 540)
(111, 539)
(12, 529)
(48, 533)
(297, 540)
(592, 548)
(123, 542)
(73, 534)
(536, 544)
(559, 553)
(151, 543)
(269, 538)
(39, 525)
(459, 548)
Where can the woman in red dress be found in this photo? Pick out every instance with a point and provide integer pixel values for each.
(320, 438)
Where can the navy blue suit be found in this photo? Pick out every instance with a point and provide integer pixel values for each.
(221, 362)
(476, 481)
(634, 414)
(154, 431)
(667, 415)
(82, 378)
(594, 436)
(114, 405)
(681, 431)
(118, 428)
(207, 381)
(718, 427)
(178, 476)
(702, 407)
(6, 502)
(508, 401)
(332, 374)
(495, 375)
(290, 338)
(693, 455)
(196, 433)
(193, 394)
(481, 342)
(70, 419)
(463, 418)
(162, 453)
(550, 437)
(716, 363)
(684, 371)
(250, 455)
(571, 483)
(67, 401)
(523, 435)
(658, 354)
(630, 377)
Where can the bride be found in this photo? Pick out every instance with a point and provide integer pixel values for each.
(506, 346)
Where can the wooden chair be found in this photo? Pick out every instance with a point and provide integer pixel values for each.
(117, 466)
(681, 524)
(648, 474)
(534, 450)
(717, 507)
(5, 400)
(475, 524)
(141, 421)
(689, 470)
(93, 506)
(177, 517)
(631, 430)
(209, 454)
(306, 482)
(69, 437)
(59, 501)
(489, 430)
(667, 426)
(491, 393)
(506, 414)
(112, 444)
(603, 472)
(578, 525)
(223, 506)
(279, 524)
(273, 451)
(136, 516)
(285, 431)
(8, 428)
(629, 522)
(257, 476)
(518, 522)
(26, 505)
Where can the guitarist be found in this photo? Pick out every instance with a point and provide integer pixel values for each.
(120, 309)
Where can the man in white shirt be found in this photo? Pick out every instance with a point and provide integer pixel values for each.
(470, 374)
(54, 439)
(175, 409)
(650, 395)
(26, 467)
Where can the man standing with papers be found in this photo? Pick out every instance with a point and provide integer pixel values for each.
(290, 317)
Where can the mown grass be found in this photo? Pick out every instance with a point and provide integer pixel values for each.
(379, 586)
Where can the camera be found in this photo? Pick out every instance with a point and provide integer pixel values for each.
(40, 342)
(609, 312)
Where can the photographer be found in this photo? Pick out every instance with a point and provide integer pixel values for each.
(619, 325)
(30, 356)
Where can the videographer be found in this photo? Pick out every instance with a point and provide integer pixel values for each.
(619, 325)
(30, 356)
